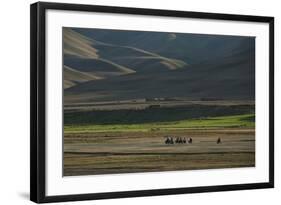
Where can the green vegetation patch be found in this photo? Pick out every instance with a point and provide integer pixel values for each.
(235, 121)
(153, 115)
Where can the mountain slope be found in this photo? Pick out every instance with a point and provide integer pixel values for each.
(77, 45)
(78, 51)
(73, 77)
(102, 59)
(227, 81)
(136, 65)
(188, 47)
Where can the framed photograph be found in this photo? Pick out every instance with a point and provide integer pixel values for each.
(129, 102)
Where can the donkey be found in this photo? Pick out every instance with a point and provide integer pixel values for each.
(169, 140)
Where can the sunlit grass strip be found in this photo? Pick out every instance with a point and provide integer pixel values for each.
(235, 121)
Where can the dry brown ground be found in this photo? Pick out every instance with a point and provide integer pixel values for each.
(107, 153)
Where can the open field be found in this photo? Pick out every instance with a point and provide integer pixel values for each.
(236, 121)
(140, 104)
(133, 151)
(112, 137)
(150, 112)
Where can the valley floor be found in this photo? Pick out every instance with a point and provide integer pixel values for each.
(89, 153)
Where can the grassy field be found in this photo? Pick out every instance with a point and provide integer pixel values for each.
(236, 121)
(116, 139)
(127, 148)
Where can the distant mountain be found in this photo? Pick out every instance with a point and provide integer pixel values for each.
(119, 65)
(77, 45)
(103, 60)
(81, 56)
(188, 47)
(73, 77)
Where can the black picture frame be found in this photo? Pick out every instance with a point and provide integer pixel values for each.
(38, 101)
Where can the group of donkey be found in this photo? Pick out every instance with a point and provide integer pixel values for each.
(178, 140)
